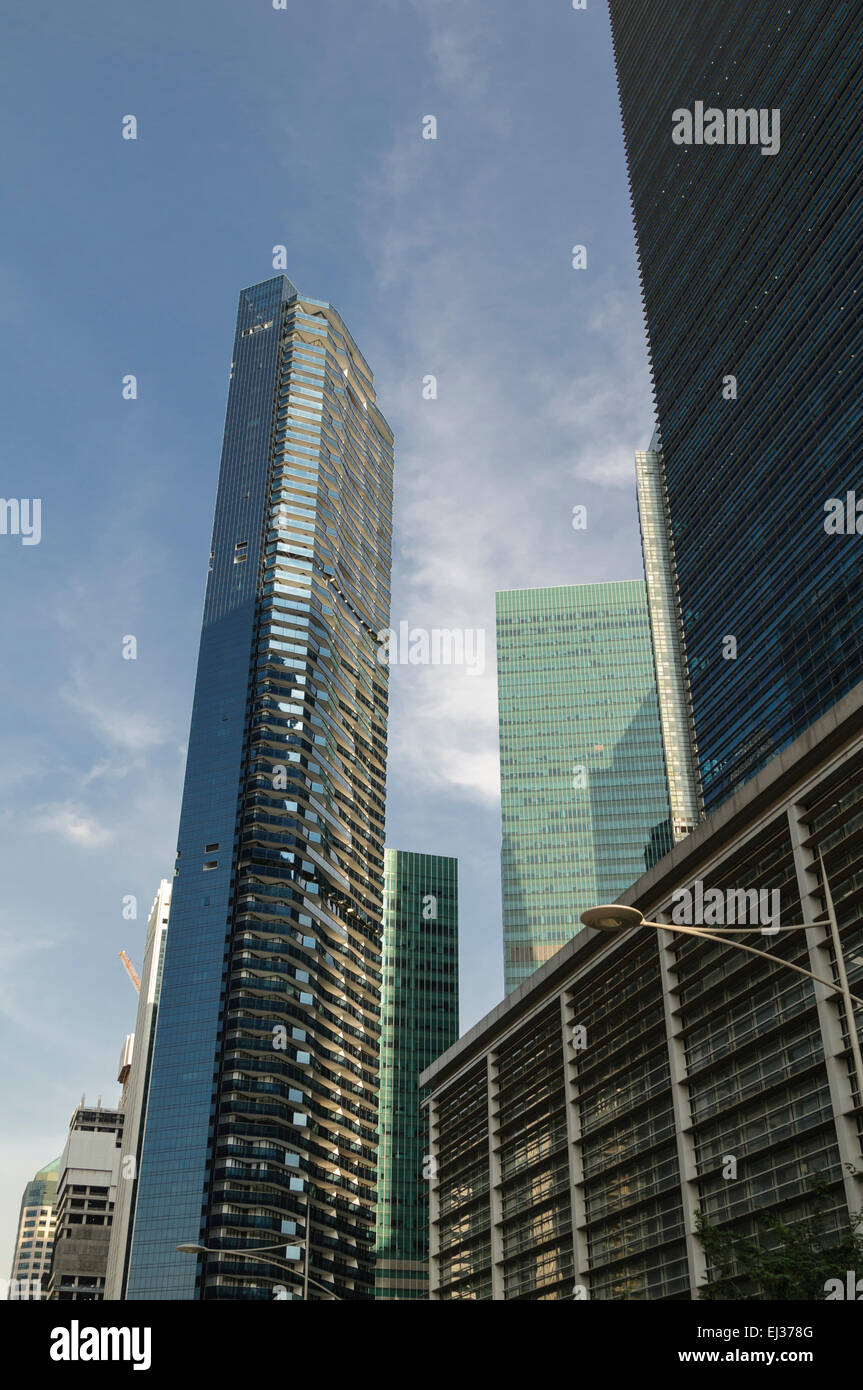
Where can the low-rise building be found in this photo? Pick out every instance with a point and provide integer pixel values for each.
(640, 1077)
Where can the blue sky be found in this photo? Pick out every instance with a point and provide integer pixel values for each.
(452, 257)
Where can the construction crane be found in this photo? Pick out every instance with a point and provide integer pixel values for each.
(131, 972)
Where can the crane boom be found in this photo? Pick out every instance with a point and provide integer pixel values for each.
(131, 971)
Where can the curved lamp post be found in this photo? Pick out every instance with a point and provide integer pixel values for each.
(258, 1252)
(616, 917)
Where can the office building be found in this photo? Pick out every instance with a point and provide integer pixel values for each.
(584, 796)
(419, 1021)
(672, 685)
(34, 1241)
(576, 1130)
(744, 149)
(134, 1076)
(86, 1190)
(262, 1110)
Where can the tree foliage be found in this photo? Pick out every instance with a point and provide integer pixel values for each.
(787, 1260)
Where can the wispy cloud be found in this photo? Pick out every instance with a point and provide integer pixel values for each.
(444, 730)
(16, 948)
(135, 730)
(128, 734)
(457, 54)
(487, 476)
(71, 823)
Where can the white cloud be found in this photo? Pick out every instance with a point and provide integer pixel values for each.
(458, 47)
(15, 948)
(130, 731)
(455, 54)
(71, 823)
(487, 473)
(443, 728)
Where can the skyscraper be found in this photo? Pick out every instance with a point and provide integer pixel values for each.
(744, 147)
(419, 1021)
(262, 1113)
(35, 1238)
(666, 636)
(584, 796)
(136, 1086)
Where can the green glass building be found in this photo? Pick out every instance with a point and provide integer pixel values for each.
(584, 792)
(419, 1021)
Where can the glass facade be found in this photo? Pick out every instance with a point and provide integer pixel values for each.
(35, 1240)
(751, 269)
(584, 796)
(262, 1113)
(419, 1022)
(665, 630)
(136, 1086)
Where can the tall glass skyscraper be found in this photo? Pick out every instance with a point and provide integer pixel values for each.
(419, 1022)
(584, 795)
(666, 635)
(262, 1113)
(751, 261)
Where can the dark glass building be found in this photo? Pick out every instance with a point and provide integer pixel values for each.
(262, 1112)
(752, 277)
(419, 1022)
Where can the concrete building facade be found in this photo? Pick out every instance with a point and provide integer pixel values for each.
(86, 1191)
(576, 1130)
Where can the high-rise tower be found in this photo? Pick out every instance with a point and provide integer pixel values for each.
(136, 1089)
(667, 638)
(262, 1111)
(419, 1022)
(86, 1192)
(35, 1239)
(744, 145)
(584, 796)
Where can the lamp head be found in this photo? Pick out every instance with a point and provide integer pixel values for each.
(613, 917)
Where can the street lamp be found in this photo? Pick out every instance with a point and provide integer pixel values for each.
(616, 917)
(258, 1252)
